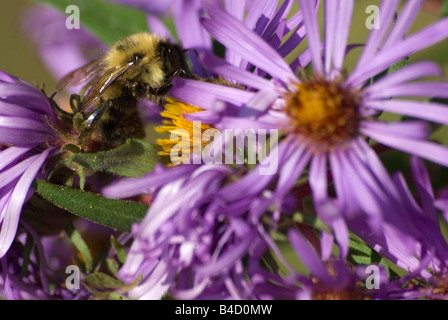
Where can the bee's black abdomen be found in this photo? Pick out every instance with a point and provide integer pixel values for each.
(121, 122)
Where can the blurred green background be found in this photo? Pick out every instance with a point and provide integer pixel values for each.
(20, 57)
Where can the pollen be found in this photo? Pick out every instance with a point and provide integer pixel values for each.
(175, 123)
(323, 112)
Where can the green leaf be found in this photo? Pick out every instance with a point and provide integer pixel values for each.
(112, 265)
(133, 159)
(361, 254)
(79, 243)
(116, 214)
(110, 22)
(119, 249)
(399, 65)
(445, 9)
(102, 280)
(395, 67)
(310, 220)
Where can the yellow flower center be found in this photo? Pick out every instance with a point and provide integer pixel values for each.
(183, 128)
(324, 112)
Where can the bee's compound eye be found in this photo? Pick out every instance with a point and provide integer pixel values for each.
(138, 57)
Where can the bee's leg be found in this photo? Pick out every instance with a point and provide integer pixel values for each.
(118, 120)
(75, 103)
(90, 122)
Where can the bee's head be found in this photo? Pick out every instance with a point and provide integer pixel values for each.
(172, 58)
(142, 49)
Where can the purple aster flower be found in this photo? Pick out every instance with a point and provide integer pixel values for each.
(28, 140)
(428, 267)
(326, 118)
(334, 279)
(191, 243)
(37, 274)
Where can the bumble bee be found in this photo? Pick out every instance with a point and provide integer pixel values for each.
(139, 66)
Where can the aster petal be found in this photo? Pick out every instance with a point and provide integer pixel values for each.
(442, 204)
(204, 95)
(24, 95)
(406, 143)
(228, 258)
(411, 72)
(292, 168)
(257, 14)
(308, 257)
(318, 177)
(366, 153)
(9, 175)
(136, 263)
(331, 17)
(424, 188)
(389, 242)
(340, 33)
(190, 294)
(226, 70)
(235, 8)
(253, 183)
(404, 22)
(275, 22)
(341, 232)
(405, 194)
(368, 194)
(326, 245)
(259, 123)
(130, 187)
(158, 27)
(292, 42)
(192, 34)
(208, 116)
(313, 35)
(5, 77)
(23, 137)
(5, 195)
(410, 129)
(157, 285)
(11, 154)
(24, 123)
(386, 58)
(422, 89)
(326, 207)
(11, 220)
(260, 102)
(15, 110)
(236, 36)
(430, 111)
(387, 12)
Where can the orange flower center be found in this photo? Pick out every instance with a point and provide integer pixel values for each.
(324, 112)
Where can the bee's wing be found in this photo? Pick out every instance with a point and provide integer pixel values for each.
(104, 81)
(82, 74)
